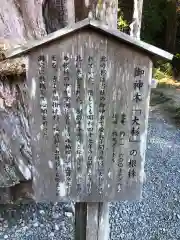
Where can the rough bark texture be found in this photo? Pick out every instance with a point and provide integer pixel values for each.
(104, 10)
(58, 14)
(15, 145)
(171, 26)
(135, 26)
(21, 20)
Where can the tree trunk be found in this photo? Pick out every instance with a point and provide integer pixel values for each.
(102, 10)
(171, 32)
(135, 26)
(32, 19)
(14, 134)
(58, 14)
(171, 26)
(21, 20)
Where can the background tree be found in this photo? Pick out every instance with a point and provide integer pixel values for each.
(102, 10)
(171, 26)
(21, 21)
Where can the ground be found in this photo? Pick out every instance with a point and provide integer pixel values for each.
(167, 100)
(156, 217)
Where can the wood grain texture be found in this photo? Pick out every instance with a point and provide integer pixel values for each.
(58, 14)
(80, 221)
(104, 11)
(26, 21)
(97, 221)
(15, 151)
(92, 221)
(113, 94)
(103, 221)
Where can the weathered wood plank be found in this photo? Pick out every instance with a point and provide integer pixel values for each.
(40, 102)
(100, 86)
(103, 221)
(80, 221)
(82, 108)
(97, 221)
(101, 109)
(92, 221)
(69, 134)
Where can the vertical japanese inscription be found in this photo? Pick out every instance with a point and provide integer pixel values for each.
(135, 122)
(43, 88)
(101, 123)
(67, 135)
(56, 116)
(79, 134)
(132, 163)
(114, 136)
(90, 121)
(118, 137)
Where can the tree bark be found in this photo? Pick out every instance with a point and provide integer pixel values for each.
(101, 10)
(58, 14)
(135, 26)
(171, 26)
(14, 134)
(20, 21)
(32, 19)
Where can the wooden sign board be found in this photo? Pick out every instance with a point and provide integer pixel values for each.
(89, 97)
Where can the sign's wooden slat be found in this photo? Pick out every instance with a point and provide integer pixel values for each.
(59, 120)
(81, 116)
(101, 110)
(49, 164)
(111, 121)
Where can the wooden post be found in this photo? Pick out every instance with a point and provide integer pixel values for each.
(80, 221)
(92, 221)
(106, 12)
(97, 221)
(103, 221)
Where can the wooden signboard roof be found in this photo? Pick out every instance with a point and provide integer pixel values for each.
(98, 26)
